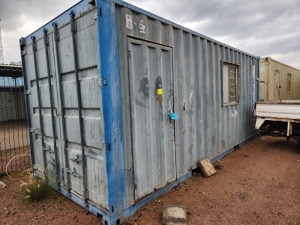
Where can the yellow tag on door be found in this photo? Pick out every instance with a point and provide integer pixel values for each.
(159, 91)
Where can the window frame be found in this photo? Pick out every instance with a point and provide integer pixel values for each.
(238, 68)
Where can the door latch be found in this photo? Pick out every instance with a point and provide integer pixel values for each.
(74, 173)
(76, 159)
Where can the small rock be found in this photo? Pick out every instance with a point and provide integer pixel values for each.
(174, 215)
(2, 184)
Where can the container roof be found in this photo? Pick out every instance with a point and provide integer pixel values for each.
(10, 71)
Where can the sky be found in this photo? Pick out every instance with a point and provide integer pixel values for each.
(262, 28)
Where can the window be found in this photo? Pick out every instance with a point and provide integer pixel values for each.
(230, 83)
(288, 82)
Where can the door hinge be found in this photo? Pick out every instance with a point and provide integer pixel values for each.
(107, 147)
(22, 41)
(56, 32)
(92, 2)
(76, 159)
(52, 162)
(102, 82)
(99, 12)
(57, 112)
(24, 52)
(48, 149)
(73, 172)
(111, 209)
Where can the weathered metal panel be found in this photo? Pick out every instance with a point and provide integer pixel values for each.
(74, 174)
(274, 81)
(205, 127)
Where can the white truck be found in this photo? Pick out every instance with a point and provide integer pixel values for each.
(278, 118)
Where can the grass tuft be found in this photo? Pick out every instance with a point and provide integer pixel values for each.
(35, 189)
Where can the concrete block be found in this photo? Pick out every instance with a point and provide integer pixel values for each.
(206, 167)
(174, 215)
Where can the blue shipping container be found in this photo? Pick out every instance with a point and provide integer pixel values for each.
(122, 104)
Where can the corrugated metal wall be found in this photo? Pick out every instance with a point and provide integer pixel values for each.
(274, 83)
(205, 127)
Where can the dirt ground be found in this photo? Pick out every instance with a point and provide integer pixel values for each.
(257, 184)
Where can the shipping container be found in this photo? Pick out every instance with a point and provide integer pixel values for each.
(278, 81)
(122, 104)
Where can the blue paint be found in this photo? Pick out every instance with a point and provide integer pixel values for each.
(112, 110)
(173, 116)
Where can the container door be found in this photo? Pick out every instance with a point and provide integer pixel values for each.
(67, 132)
(80, 110)
(151, 91)
(277, 85)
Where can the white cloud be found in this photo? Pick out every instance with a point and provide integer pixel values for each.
(20, 18)
(263, 28)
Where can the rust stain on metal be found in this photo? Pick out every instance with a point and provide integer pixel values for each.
(159, 98)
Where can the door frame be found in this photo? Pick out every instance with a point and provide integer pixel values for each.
(134, 40)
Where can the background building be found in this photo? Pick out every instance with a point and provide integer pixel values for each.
(278, 81)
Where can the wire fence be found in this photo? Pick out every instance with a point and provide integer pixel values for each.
(14, 144)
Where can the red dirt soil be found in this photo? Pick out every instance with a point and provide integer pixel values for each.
(257, 184)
